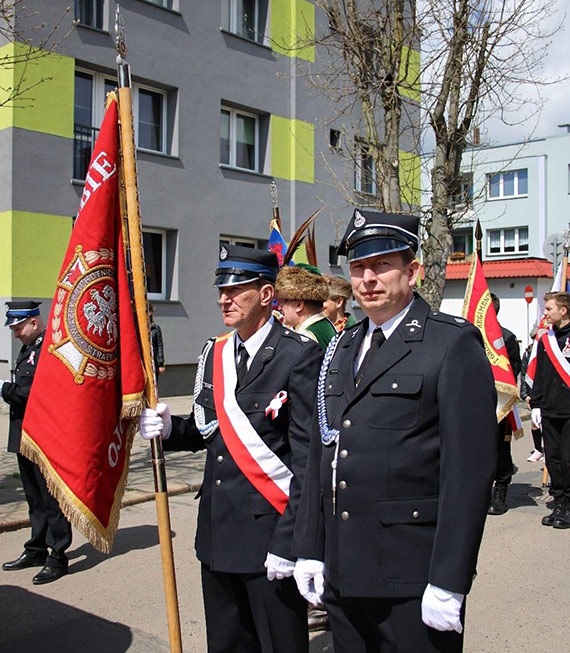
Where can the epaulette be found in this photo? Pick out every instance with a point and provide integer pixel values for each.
(291, 333)
(448, 319)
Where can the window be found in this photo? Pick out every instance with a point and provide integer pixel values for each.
(239, 138)
(463, 195)
(242, 242)
(364, 170)
(90, 13)
(462, 243)
(246, 18)
(508, 241)
(507, 184)
(167, 4)
(149, 109)
(154, 246)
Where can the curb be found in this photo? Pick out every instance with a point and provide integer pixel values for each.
(17, 524)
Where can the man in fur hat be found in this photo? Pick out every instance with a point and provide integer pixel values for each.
(301, 294)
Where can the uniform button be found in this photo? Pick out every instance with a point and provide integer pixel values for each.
(415, 514)
(219, 459)
(329, 386)
(218, 482)
(344, 515)
(347, 423)
(342, 485)
(394, 385)
(343, 453)
(256, 405)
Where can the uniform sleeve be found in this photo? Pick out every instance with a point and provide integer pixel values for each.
(514, 353)
(524, 389)
(468, 452)
(16, 394)
(159, 347)
(302, 391)
(184, 435)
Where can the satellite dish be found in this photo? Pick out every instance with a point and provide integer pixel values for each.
(552, 247)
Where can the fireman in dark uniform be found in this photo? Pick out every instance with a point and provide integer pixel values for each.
(254, 399)
(50, 528)
(401, 461)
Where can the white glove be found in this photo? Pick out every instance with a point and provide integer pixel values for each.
(536, 417)
(155, 423)
(310, 579)
(441, 608)
(278, 567)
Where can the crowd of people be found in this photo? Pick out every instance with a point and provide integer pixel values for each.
(344, 469)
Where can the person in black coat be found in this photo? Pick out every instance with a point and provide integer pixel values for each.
(254, 398)
(401, 461)
(50, 528)
(504, 471)
(550, 404)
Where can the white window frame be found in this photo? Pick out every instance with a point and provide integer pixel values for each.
(517, 250)
(233, 143)
(163, 123)
(233, 21)
(501, 176)
(105, 26)
(98, 108)
(358, 176)
(161, 232)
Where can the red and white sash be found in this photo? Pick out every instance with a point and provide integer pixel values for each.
(553, 352)
(261, 466)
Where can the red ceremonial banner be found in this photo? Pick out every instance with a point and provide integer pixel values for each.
(478, 309)
(88, 388)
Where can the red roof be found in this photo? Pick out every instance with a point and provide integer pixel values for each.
(525, 267)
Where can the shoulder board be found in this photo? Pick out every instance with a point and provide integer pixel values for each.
(291, 333)
(456, 320)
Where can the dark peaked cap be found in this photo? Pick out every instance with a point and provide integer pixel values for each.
(240, 265)
(20, 311)
(372, 232)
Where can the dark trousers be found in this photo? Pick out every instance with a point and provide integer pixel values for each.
(504, 471)
(50, 528)
(537, 439)
(556, 436)
(369, 625)
(246, 613)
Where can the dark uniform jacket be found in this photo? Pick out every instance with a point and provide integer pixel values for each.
(550, 392)
(16, 394)
(237, 526)
(417, 454)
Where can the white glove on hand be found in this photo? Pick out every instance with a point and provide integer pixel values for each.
(310, 579)
(441, 608)
(278, 567)
(155, 423)
(536, 417)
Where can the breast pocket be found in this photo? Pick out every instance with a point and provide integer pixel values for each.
(395, 401)
(205, 398)
(333, 393)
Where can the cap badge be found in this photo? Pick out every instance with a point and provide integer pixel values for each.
(359, 220)
(223, 254)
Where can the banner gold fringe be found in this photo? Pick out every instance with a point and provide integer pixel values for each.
(74, 510)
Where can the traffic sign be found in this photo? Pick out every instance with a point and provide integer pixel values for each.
(529, 294)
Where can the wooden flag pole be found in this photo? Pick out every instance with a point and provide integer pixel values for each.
(140, 299)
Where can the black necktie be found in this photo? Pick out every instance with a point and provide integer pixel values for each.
(241, 364)
(378, 338)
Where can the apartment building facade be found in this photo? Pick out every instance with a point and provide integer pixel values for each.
(221, 110)
(520, 192)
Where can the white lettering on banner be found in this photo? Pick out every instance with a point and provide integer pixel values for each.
(114, 448)
(99, 171)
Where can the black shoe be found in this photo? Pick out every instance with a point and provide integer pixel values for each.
(318, 619)
(24, 561)
(563, 520)
(48, 574)
(557, 511)
(499, 501)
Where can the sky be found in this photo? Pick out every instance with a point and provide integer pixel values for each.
(556, 109)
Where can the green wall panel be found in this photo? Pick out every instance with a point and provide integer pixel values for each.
(34, 245)
(410, 71)
(410, 178)
(45, 101)
(292, 149)
(292, 23)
